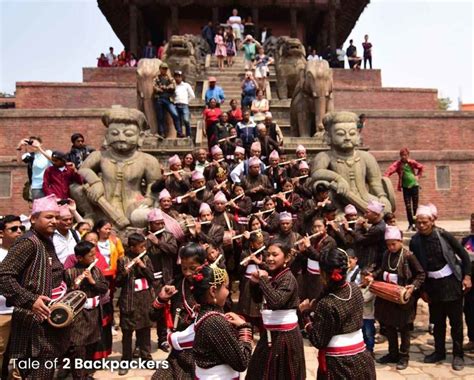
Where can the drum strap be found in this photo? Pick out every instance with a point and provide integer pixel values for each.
(59, 292)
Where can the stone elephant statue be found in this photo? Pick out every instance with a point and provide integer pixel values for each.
(147, 69)
(290, 59)
(201, 48)
(312, 99)
(270, 46)
(179, 53)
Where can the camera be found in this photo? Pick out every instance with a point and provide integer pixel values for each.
(29, 142)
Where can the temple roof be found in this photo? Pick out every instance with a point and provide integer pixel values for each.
(348, 11)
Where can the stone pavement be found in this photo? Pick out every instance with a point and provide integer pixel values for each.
(422, 343)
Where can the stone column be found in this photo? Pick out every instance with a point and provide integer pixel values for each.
(215, 16)
(323, 35)
(293, 22)
(133, 11)
(255, 13)
(174, 19)
(332, 25)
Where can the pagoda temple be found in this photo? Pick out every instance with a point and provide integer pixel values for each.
(318, 23)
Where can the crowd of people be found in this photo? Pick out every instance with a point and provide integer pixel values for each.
(242, 212)
(173, 94)
(124, 59)
(337, 57)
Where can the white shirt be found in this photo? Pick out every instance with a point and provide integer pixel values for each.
(341, 54)
(40, 164)
(183, 93)
(3, 307)
(314, 57)
(64, 245)
(110, 58)
(199, 167)
(264, 36)
(104, 248)
(351, 272)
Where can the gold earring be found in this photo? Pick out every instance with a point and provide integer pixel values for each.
(284, 265)
(215, 301)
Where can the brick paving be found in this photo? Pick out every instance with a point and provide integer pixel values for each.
(422, 344)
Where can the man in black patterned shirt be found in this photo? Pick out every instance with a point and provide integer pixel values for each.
(447, 278)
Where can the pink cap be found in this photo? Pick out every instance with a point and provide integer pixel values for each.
(174, 160)
(393, 233)
(285, 217)
(274, 155)
(424, 210)
(64, 211)
(197, 175)
(303, 165)
(164, 194)
(154, 215)
(212, 79)
(204, 207)
(239, 149)
(300, 148)
(350, 210)
(216, 150)
(48, 203)
(434, 209)
(375, 206)
(254, 161)
(256, 145)
(220, 197)
(268, 114)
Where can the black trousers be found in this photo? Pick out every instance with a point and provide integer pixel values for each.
(469, 314)
(391, 333)
(161, 328)
(370, 62)
(410, 197)
(439, 312)
(143, 343)
(84, 353)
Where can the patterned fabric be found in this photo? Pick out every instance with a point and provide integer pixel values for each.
(285, 358)
(181, 363)
(211, 234)
(32, 268)
(334, 316)
(86, 325)
(134, 306)
(409, 272)
(312, 286)
(217, 341)
(163, 255)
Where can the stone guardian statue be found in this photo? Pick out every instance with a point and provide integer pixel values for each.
(118, 180)
(352, 175)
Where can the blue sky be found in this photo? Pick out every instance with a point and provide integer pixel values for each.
(426, 44)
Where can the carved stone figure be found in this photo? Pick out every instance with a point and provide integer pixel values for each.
(147, 69)
(352, 175)
(201, 48)
(312, 99)
(179, 54)
(270, 46)
(289, 61)
(114, 178)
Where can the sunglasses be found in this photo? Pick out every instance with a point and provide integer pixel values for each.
(16, 228)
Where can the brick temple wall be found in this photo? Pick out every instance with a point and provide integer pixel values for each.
(43, 95)
(457, 202)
